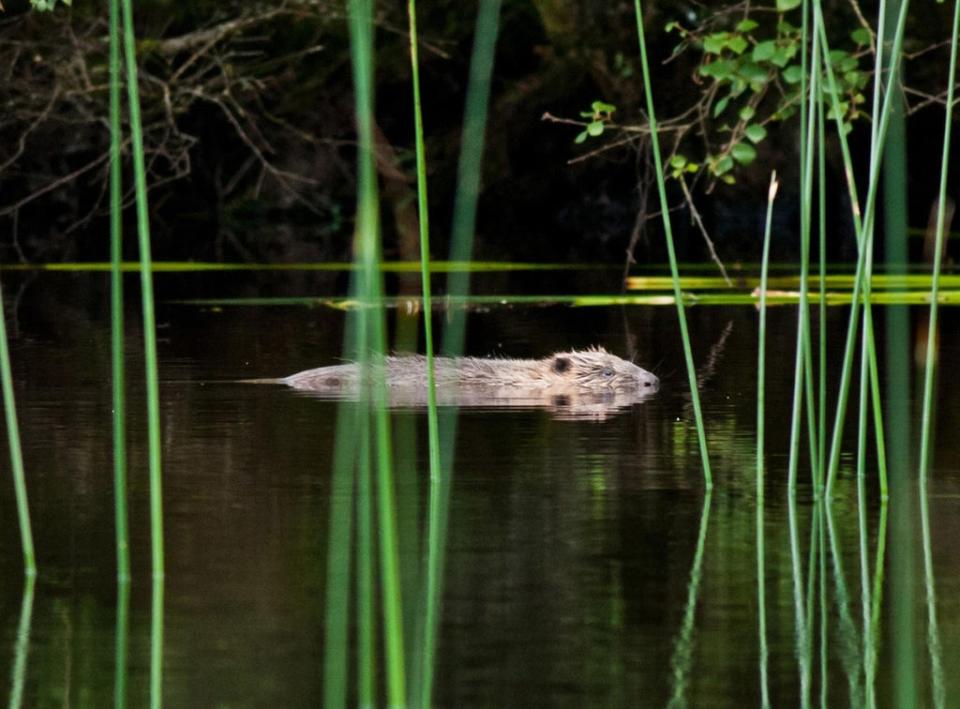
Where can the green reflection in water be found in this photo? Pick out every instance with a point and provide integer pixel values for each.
(19, 672)
(801, 642)
(156, 644)
(121, 643)
(683, 647)
(849, 636)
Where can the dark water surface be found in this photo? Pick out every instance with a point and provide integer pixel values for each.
(572, 575)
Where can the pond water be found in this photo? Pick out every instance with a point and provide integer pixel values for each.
(585, 566)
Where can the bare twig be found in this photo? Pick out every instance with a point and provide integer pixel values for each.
(703, 230)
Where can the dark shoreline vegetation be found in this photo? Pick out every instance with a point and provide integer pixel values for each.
(305, 153)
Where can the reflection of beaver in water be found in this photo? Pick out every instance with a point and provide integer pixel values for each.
(591, 373)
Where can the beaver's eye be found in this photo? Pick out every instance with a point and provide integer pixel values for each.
(607, 372)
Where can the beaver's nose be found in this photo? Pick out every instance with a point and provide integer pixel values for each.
(651, 382)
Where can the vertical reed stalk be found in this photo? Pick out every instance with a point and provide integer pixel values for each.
(833, 93)
(423, 670)
(822, 248)
(16, 453)
(433, 435)
(461, 249)
(116, 305)
(370, 278)
(671, 253)
(926, 428)
(761, 414)
(802, 364)
(468, 168)
(866, 242)
(931, 359)
(146, 282)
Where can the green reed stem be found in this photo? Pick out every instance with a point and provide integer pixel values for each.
(671, 253)
(116, 305)
(433, 435)
(146, 283)
(822, 237)
(931, 359)
(761, 417)
(834, 95)
(468, 167)
(458, 285)
(683, 648)
(424, 670)
(866, 242)
(926, 427)
(16, 452)
(370, 278)
(802, 363)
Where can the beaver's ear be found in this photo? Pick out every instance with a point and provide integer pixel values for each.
(561, 364)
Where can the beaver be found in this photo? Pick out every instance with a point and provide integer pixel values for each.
(585, 373)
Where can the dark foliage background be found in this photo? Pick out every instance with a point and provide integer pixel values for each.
(249, 129)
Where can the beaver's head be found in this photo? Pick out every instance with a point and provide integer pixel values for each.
(596, 370)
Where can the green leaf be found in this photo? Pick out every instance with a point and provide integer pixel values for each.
(746, 25)
(746, 113)
(595, 128)
(714, 43)
(787, 5)
(720, 106)
(678, 161)
(719, 70)
(793, 73)
(724, 164)
(755, 132)
(754, 74)
(861, 36)
(737, 87)
(582, 136)
(782, 56)
(764, 50)
(602, 107)
(744, 153)
(784, 27)
(737, 44)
